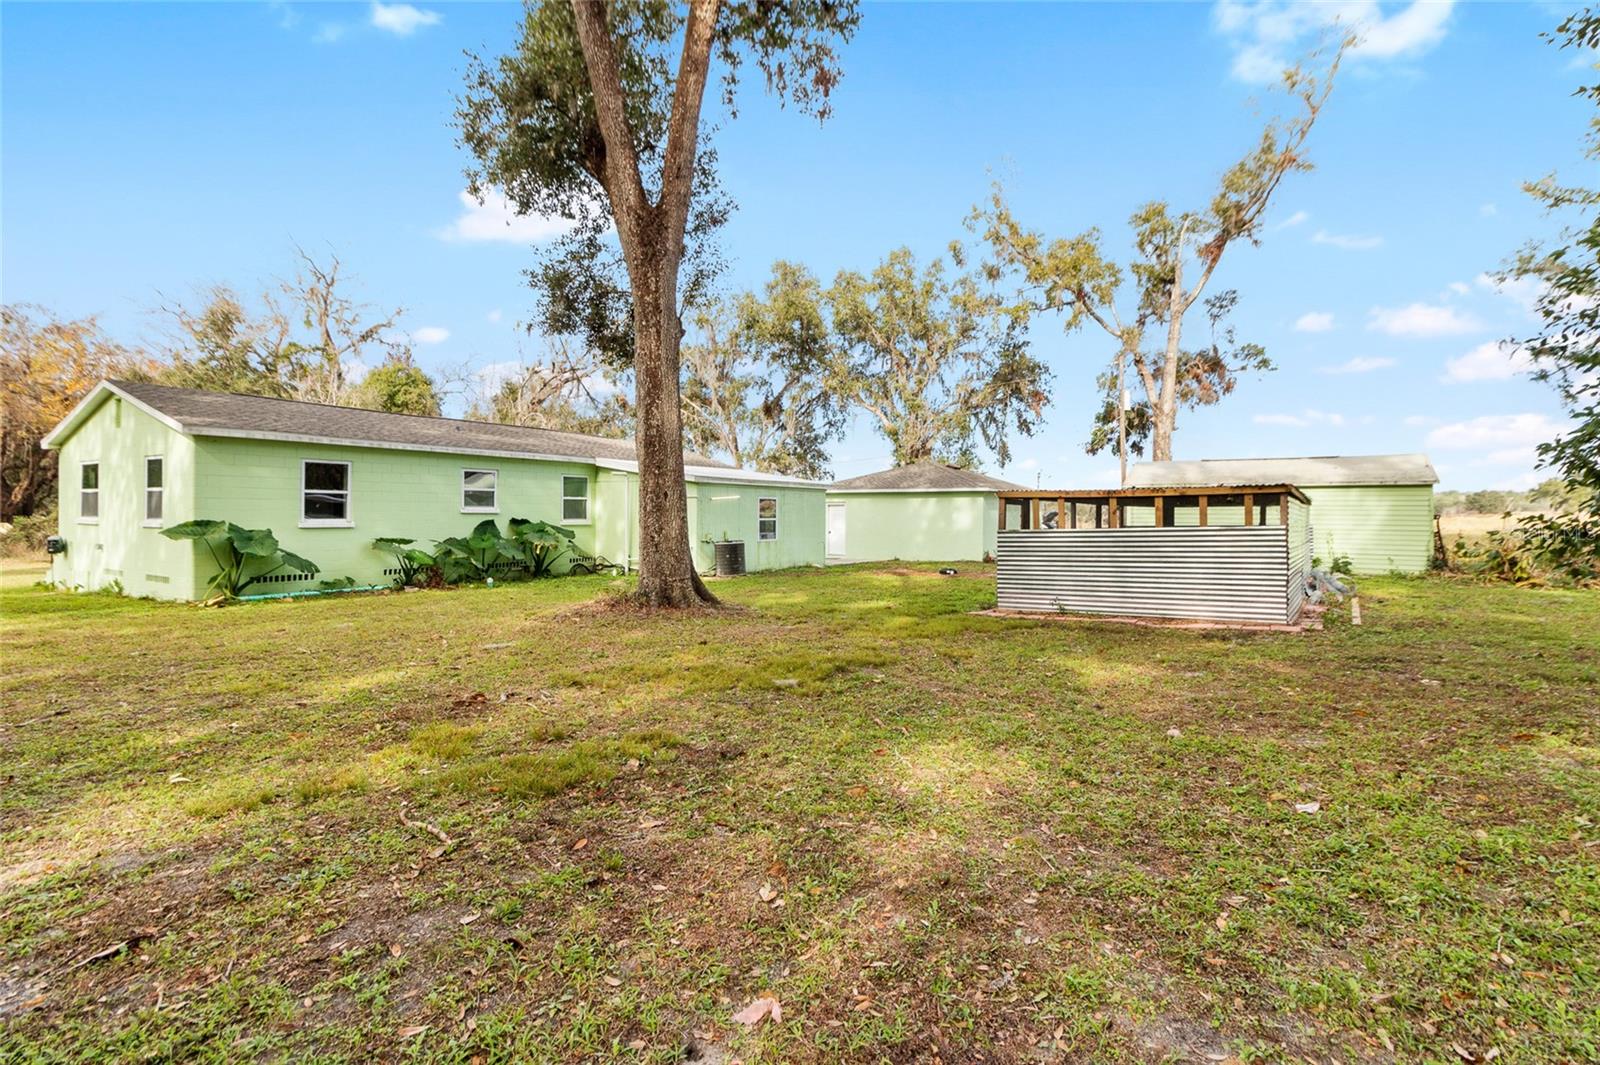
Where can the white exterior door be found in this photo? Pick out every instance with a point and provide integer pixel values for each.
(835, 530)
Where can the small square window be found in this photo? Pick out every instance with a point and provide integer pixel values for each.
(575, 499)
(89, 492)
(154, 489)
(766, 518)
(325, 493)
(480, 490)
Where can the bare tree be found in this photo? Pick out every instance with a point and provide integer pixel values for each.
(341, 332)
(1074, 275)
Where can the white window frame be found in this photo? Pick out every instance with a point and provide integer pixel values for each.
(493, 508)
(774, 519)
(587, 512)
(161, 490)
(349, 519)
(82, 491)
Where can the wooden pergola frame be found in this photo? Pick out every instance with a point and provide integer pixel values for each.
(1113, 500)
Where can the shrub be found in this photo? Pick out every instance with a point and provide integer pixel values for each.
(28, 533)
(537, 544)
(471, 557)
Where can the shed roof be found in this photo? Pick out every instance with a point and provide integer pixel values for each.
(924, 477)
(1310, 472)
(199, 413)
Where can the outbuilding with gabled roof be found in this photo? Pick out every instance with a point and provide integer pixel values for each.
(921, 512)
(1374, 510)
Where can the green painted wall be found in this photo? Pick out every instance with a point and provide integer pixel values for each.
(256, 483)
(1381, 527)
(718, 511)
(119, 547)
(918, 526)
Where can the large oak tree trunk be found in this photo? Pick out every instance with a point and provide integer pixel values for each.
(667, 575)
(651, 236)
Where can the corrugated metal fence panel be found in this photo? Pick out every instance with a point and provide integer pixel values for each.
(1234, 573)
(1299, 555)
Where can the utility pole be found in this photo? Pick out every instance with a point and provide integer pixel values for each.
(1122, 417)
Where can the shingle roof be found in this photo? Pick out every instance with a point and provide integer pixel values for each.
(1309, 472)
(924, 477)
(200, 413)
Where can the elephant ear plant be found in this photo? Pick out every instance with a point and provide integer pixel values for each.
(537, 544)
(243, 556)
(472, 557)
(413, 563)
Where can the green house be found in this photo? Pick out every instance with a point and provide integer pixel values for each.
(136, 458)
(1377, 510)
(925, 512)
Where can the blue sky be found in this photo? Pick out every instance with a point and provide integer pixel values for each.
(150, 149)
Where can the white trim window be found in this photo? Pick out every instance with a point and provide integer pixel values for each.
(767, 518)
(325, 493)
(155, 480)
(574, 500)
(89, 493)
(480, 491)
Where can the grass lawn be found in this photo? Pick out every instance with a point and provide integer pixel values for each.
(506, 825)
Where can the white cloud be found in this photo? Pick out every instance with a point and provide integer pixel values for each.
(1348, 242)
(1293, 220)
(1314, 322)
(1523, 291)
(1359, 364)
(1488, 210)
(1458, 288)
(496, 219)
(328, 33)
(1303, 420)
(494, 315)
(1421, 320)
(1502, 433)
(402, 20)
(1267, 34)
(431, 334)
(1494, 360)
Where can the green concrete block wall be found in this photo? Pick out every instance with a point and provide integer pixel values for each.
(918, 526)
(719, 511)
(120, 547)
(256, 483)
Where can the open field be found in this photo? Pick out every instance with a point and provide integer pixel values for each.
(505, 825)
(1473, 526)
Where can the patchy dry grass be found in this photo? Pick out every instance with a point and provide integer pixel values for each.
(928, 834)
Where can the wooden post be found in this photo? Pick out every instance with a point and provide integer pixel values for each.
(1161, 510)
(1249, 508)
(1203, 501)
(1283, 510)
(1061, 513)
(1097, 515)
(1035, 523)
(1004, 505)
(1111, 512)
(1074, 517)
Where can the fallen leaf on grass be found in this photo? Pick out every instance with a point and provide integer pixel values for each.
(469, 918)
(1307, 807)
(1175, 732)
(767, 892)
(765, 1006)
(582, 843)
(178, 778)
(612, 981)
(411, 1030)
(394, 950)
(652, 822)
